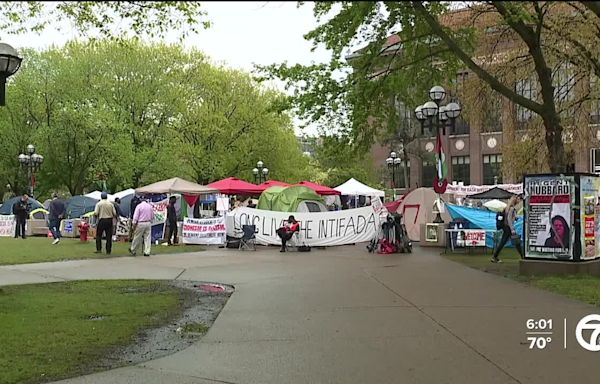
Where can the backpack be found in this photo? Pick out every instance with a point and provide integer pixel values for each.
(500, 216)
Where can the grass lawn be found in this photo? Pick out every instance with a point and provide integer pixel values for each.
(53, 331)
(580, 287)
(40, 249)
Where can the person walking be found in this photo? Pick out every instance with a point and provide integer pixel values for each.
(172, 221)
(508, 230)
(116, 220)
(105, 213)
(142, 227)
(57, 212)
(21, 209)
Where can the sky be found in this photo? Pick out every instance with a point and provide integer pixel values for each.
(241, 34)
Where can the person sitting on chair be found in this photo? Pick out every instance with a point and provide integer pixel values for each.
(287, 231)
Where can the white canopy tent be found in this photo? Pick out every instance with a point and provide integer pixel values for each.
(354, 187)
(177, 185)
(97, 194)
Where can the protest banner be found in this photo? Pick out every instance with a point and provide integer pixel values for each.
(7, 225)
(466, 190)
(330, 228)
(204, 231)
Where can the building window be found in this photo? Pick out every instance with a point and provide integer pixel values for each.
(429, 173)
(564, 83)
(595, 161)
(595, 103)
(526, 88)
(492, 120)
(492, 169)
(461, 169)
(407, 121)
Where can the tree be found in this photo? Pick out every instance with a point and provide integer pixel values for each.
(427, 49)
(103, 18)
(138, 113)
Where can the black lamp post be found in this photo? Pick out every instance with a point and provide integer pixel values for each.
(32, 162)
(260, 173)
(9, 65)
(437, 117)
(393, 163)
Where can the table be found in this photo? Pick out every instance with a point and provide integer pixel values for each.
(472, 238)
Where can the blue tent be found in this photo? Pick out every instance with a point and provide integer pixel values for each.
(78, 206)
(6, 208)
(482, 219)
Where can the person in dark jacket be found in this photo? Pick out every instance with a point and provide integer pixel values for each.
(57, 212)
(172, 221)
(21, 210)
(508, 230)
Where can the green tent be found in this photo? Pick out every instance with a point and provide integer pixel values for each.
(286, 199)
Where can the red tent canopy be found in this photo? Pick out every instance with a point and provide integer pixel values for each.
(272, 183)
(320, 189)
(235, 186)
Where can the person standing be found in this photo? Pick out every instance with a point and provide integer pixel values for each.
(117, 204)
(105, 213)
(142, 227)
(172, 221)
(57, 212)
(508, 230)
(21, 209)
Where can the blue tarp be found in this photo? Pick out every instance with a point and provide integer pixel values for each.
(483, 219)
(78, 206)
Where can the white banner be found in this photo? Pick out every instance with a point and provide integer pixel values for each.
(7, 225)
(467, 190)
(316, 228)
(204, 231)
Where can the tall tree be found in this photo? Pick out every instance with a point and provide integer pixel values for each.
(427, 46)
(103, 18)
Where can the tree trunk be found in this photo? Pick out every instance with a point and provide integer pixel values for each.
(554, 143)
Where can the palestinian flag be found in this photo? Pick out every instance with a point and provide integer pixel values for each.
(440, 181)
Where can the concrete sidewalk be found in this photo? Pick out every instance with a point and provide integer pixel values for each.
(342, 315)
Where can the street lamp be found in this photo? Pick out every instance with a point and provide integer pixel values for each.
(9, 65)
(32, 162)
(260, 173)
(393, 163)
(437, 117)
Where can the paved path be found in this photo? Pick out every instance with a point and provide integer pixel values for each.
(342, 315)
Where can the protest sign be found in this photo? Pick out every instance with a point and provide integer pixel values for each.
(7, 225)
(204, 231)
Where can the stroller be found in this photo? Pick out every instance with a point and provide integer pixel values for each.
(392, 237)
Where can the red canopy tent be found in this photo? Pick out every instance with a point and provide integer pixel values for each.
(320, 189)
(272, 183)
(235, 186)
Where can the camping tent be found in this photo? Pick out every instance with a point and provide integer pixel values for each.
(6, 208)
(235, 186)
(272, 183)
(77, 206)
(176, 185)
(123, 194)
(291, 199)
(354, 187)
(97, 195)
(417, 209)
(494, 193)
(320, 189)
(483, 219)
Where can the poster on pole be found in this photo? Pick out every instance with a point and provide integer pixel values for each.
(349, 226)
(590, 212)
(7, 225)
(204, 231)
(549, 225)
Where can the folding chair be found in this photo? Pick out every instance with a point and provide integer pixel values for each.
(248, 238)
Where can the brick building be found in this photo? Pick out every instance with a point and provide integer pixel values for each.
(474, 151)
